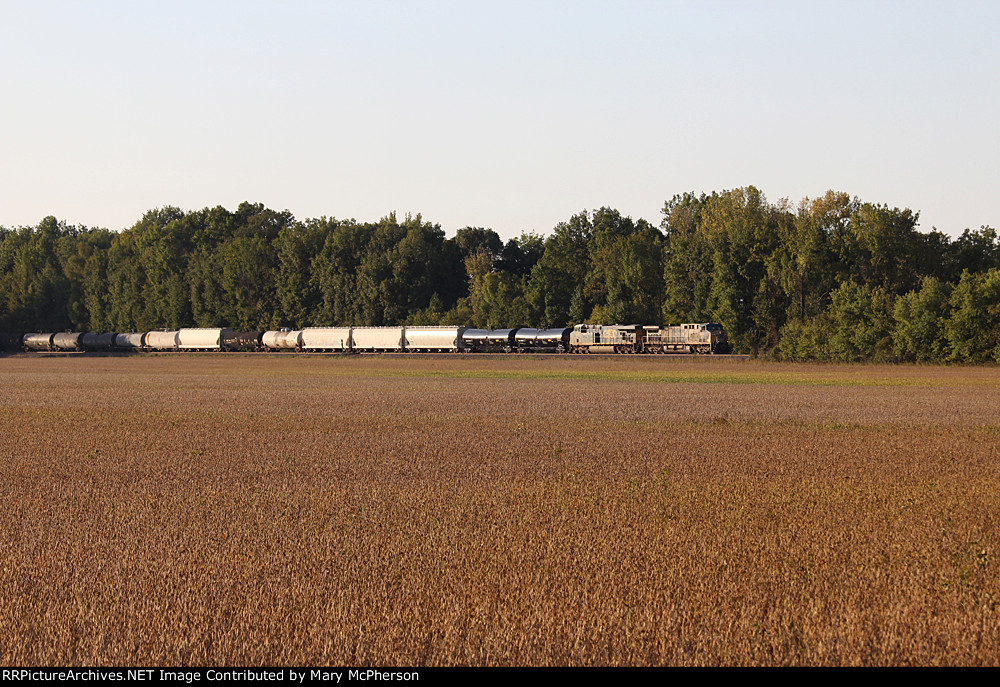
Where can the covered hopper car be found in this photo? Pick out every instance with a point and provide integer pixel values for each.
(434, 338)
(326, 339)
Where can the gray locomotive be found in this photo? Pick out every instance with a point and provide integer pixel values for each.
(637, 338)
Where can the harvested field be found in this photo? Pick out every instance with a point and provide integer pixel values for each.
(306, 510)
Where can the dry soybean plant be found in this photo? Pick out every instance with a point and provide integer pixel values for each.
(273, 510)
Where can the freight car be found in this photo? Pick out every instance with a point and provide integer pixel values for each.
(327, 339)
(38, 341)
(490, 340)
(528, 340)
(282, 340)
(503, 338)
(67, 341)
(242, 341)
(161, 341)
(201, 339)
(429, 339)
(379, 339)
(475, 339)
(130, 341)
(98, 342)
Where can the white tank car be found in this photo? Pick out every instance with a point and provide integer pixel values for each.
(282, 340)
(130, 340)
(204, 339)
(161, 341)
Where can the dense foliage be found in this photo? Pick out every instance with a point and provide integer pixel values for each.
(833, 278)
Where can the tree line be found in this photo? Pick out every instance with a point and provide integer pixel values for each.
(831, 278)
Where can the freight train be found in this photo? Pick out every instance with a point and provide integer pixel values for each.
(705, 338)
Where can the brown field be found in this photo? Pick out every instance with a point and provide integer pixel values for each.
(308, 510)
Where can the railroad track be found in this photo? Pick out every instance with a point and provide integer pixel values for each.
(401, 354)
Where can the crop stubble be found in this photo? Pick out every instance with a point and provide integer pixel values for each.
(283, 509)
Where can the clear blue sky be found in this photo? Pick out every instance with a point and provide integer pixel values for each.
(507, 115)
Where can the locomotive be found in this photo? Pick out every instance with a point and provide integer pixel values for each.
(636, 338)
(704, 338)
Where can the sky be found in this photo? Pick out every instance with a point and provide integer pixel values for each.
(512, 115)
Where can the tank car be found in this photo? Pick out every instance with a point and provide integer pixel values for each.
(130, 341)
(490, 340)
(201, 338)
(67, 341)
(98, 342)
(504, 339)
(282, 340)
(542, 340)
(475, 340)
(38, 341)
(161, 340)
(242, 341)
(524, 339)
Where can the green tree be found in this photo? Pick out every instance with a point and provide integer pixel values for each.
(808, 262)
(884, 248)
(975, 251)
(561, 269)
(296, 247)
(334, 272)
(973, 330)
(473, 240)
(687, 261)
(806, 339)
(920, 317)
(742, 232)
(521, 254)
(861, 322)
